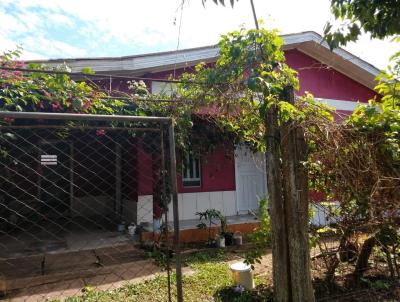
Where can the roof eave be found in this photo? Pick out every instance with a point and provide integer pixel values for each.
(309, 42)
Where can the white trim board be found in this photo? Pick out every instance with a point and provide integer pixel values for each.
(340, 104)
(311, 36)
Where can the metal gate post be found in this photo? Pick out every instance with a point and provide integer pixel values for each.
(174, 191)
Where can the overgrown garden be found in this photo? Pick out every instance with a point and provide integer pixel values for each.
(249, 98)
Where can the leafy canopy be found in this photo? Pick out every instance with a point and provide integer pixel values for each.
(53, 92)
(42, 91)
(248, 77)
(383, 116)
(379, 18)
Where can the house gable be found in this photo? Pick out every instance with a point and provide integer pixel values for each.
(324, 81)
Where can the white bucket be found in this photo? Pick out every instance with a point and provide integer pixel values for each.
(242, 275)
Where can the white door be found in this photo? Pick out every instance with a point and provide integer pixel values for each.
(250, 179)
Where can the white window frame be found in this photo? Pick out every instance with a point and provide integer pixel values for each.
(191, 163)
(163, 88)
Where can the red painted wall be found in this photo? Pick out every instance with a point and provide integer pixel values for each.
(217, 172)
(144, 170)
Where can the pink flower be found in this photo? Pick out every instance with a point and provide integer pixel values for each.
(56, 106)
(100, 132)
(86, 105)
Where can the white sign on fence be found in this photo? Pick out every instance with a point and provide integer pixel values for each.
(48, 160)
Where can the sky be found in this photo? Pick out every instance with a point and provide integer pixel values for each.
(96, 28)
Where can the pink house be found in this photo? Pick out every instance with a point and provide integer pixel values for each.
(234, 185)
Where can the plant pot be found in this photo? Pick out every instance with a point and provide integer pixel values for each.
(211, 243)
(238, 239)
(221, 242)
(132, 229)
(228, 239)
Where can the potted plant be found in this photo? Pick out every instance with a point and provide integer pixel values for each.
(211, 216)
(214, 216)
(225, 232)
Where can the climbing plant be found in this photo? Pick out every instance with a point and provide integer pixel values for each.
(48, 92)
(357, 162)
(248, 77)
(52, 89)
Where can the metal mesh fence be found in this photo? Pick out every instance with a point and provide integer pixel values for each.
(82, 202)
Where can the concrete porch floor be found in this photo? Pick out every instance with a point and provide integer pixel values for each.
(28, 244)
(60, 236)
(231, 220)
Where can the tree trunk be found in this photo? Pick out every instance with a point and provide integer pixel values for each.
(389, 262)
(294, 153)
(280, 256)
(362, 260)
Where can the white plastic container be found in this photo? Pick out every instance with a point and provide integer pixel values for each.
(157, 226)
(220, 242)
(132, 229)
(242, 275)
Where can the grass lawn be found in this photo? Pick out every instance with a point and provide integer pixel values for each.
(210, 281)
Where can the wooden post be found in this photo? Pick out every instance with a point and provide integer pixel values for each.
(71, 177)
(288, 196)
(295, 194)
(174, 193)
(118, 182)
(133, 175)
(280, 259)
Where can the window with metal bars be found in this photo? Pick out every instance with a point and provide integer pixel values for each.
(191, 176)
